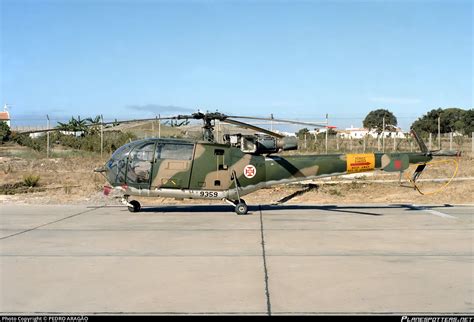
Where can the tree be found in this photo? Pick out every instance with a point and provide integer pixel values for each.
(375, 120)
(469, 122)
(74, 125)
(301, 133)
(4, 132)
(451, 120)
(93, 124)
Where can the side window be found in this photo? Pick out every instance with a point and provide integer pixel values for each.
(175, 151)
(144, 152)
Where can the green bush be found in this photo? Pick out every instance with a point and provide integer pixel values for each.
(4, 132)
(31, 180)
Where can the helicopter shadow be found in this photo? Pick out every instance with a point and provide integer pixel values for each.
(255, 209)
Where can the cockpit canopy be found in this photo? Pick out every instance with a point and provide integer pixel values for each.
(132, 163)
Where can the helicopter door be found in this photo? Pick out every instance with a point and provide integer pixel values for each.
(139, 167)
(173, 165)
(211, 168)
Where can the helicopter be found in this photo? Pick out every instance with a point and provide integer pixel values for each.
(206, 169)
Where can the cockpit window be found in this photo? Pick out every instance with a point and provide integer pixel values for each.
(122, 152)
(139, 164)
(144, 152)
(175, 151)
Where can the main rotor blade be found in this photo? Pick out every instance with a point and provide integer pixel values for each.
(321, 124)
(178, 117)
(253, 127)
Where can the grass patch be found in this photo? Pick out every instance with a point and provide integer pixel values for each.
(31, 180)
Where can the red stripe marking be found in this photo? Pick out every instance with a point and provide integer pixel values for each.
(360, 163)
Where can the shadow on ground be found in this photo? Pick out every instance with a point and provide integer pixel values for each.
(255, 209)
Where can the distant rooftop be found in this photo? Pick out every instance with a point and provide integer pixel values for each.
(4, 116)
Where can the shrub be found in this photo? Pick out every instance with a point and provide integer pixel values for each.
(4, 132)
(31, 180)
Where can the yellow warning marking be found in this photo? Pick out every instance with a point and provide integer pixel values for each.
(360, 162)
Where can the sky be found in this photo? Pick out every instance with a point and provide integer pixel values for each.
(297, 60)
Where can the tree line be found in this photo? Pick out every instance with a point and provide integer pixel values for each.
(450, 120)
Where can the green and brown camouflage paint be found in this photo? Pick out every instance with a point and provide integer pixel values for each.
(210, 171)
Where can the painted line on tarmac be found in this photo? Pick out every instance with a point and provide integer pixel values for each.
(49, 223)
(433, 212)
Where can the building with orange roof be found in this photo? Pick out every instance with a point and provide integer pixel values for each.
(5, 116)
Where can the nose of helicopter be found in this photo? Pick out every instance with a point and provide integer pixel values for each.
(107, 170)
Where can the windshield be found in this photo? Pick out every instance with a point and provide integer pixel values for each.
(123, 151)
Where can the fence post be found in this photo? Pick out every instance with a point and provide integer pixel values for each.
(383, 135)
(365, 137)
(101, 135)
(47, 138)
(451, 140)
(439, 132)
(394, 143)
(159, 126)
(472, 144)
(411, 146)
(429, 141)
(327, 124)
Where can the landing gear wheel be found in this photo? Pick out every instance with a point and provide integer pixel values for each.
(241, 208)
(136, 206)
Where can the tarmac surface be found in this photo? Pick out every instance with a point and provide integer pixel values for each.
(289, 259)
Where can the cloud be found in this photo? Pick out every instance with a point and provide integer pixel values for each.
(157, 109)
(395, 100)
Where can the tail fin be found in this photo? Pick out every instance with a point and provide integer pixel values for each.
(420, 142)
(424, 149)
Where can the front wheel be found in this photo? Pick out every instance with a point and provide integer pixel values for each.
(135, 206)
(241, 208)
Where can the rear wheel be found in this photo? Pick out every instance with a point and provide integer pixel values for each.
(135, 206)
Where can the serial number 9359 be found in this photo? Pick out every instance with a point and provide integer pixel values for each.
(208, 194)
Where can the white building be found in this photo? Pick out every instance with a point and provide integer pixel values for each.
(359, 133)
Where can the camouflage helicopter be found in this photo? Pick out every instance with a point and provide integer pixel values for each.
(205, 169)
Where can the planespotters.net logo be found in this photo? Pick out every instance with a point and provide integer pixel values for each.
(437, 318)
